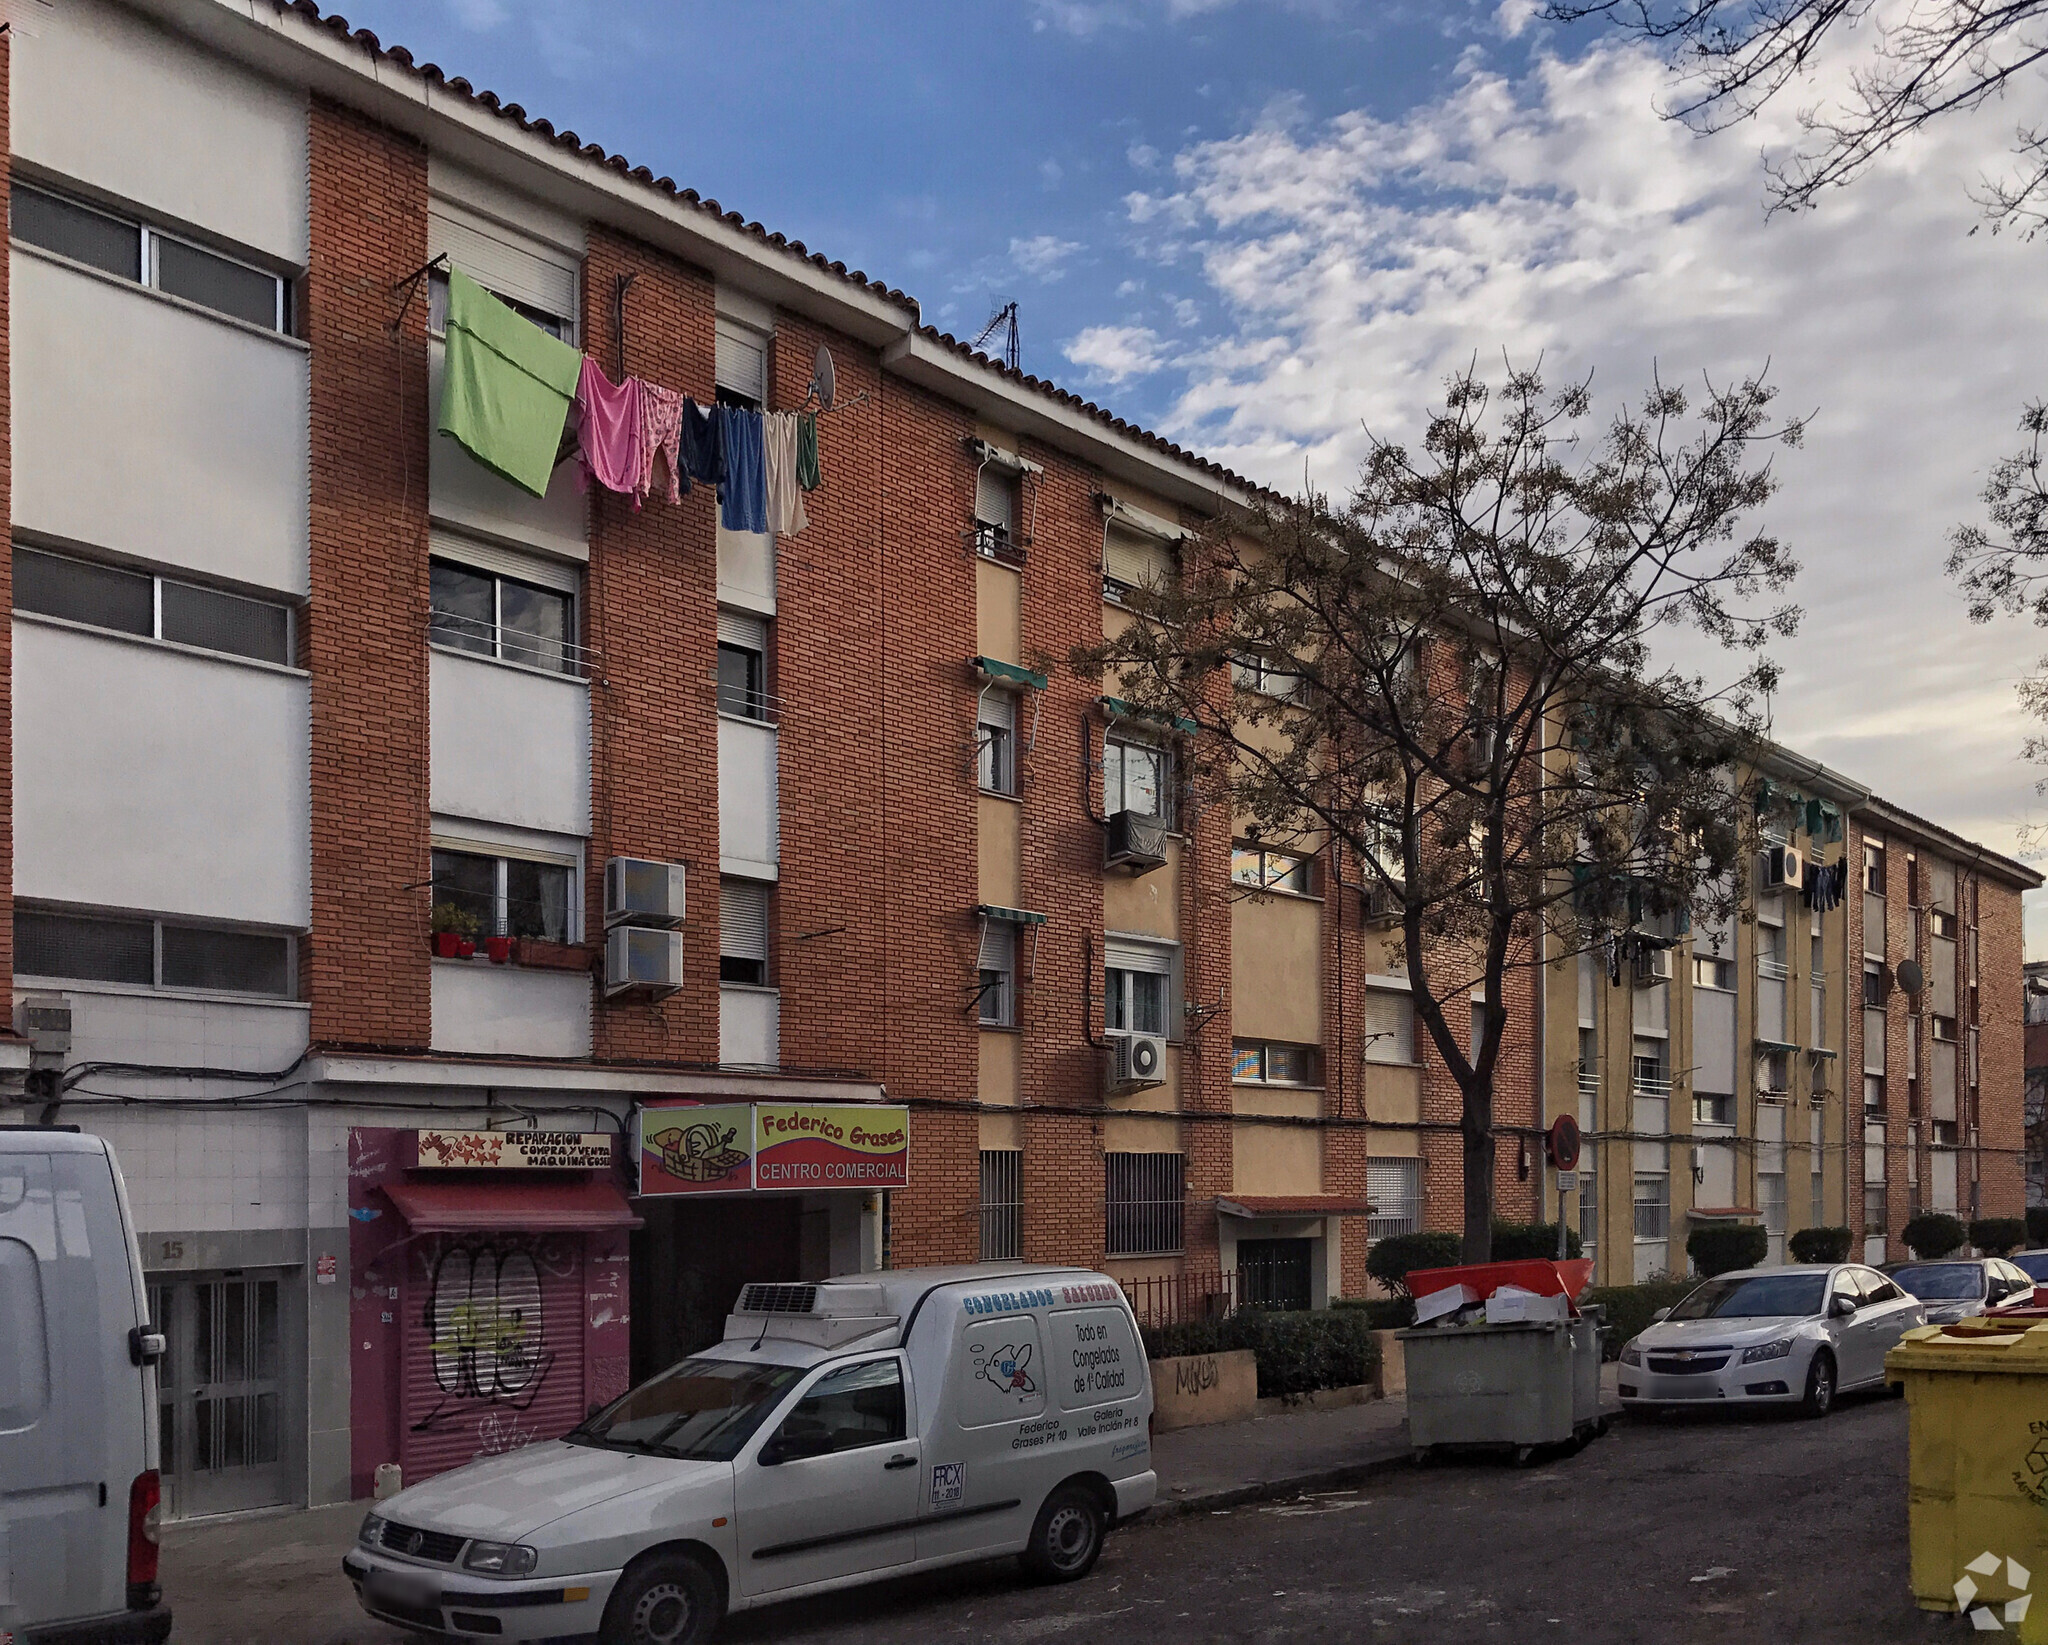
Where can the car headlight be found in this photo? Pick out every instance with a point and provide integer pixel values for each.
(500, 1558)
(1767, 1350)
(1631, 1355)
(372, 1531)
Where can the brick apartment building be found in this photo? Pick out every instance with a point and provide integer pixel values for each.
(291, 677)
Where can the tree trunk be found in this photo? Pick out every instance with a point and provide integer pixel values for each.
(1477, 1128)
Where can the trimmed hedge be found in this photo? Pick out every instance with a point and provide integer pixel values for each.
(1629, 1307)
(1933, 1234)
(1382, 1313)
(1995, 1236)
(1298, 1351)
(1518, 1241)
(2037, 1225)
(1722, 1247)
(1822, 1245)
(1391, 1260)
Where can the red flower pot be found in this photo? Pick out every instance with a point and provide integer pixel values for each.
(447, 944)
(465, 949)
(499, 948)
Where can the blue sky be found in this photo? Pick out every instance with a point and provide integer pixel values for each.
(1262, 227)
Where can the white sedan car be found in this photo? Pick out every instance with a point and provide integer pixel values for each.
(1770, 1336)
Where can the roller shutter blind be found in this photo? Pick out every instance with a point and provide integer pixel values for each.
(503, 261)
(743, 920)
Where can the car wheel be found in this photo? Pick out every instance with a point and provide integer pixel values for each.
(668, 1600)
(1066, 1539)
(1820, 1386)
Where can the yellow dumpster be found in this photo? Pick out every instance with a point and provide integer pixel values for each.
(1977, 1403)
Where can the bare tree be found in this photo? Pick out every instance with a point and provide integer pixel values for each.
(1929, 58)
(2002, 564)
(1451, 682)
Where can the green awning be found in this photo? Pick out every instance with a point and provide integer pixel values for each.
(1774, 1045)
(1009, 916)
(1122, 710)
(1820, 1051)
(1012, 672)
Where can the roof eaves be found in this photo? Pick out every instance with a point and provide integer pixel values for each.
(1966, 851)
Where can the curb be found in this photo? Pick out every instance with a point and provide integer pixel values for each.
(1344, 1475)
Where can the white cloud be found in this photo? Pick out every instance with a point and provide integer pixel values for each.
(479, 15)
(1050, 173)
(1143, 156)
(1043, 256)
(1114, 354)
(1361, 260)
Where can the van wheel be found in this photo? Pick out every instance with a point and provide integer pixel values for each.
(669, 1600)
(1066, 1539)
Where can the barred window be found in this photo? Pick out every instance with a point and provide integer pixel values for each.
(1142, 1197)
(1652, 1206)
(1394, 1186)
(1002, 1204)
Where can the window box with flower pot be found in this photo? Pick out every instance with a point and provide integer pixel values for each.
(454, 931)
(538, 954)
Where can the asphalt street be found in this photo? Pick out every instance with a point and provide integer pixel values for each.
(1694, 1528)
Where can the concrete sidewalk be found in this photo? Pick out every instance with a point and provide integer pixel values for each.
(276, 1579)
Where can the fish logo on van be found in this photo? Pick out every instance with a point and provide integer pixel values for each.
(1007, 1368)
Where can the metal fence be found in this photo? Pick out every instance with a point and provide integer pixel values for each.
(1215, 1293)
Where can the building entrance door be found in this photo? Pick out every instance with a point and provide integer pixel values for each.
(221, 1392)
(1274, 1273)
(689, 1262)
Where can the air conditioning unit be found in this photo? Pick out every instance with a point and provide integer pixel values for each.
(1383, 905)
(1136, 842)
(643, 892)
(1652, 965)
(1136, 1061)
(642, 957)
(1781, 867)
(45, 1022)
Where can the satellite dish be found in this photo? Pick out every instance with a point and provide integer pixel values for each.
(1910, 977)
(823, 378)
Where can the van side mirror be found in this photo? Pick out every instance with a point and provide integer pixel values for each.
(1660, 1314)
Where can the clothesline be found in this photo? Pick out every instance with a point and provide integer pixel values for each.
(510, 390)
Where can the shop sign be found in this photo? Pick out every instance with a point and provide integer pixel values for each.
(807, 1145)
(516, 1150)
(763, 1147)
(707, 1149)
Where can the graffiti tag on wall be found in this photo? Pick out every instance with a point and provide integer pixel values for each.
(486, 1339)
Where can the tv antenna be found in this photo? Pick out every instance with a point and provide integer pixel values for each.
(1003, 324)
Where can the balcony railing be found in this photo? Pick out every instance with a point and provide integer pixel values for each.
(1773, 970)
(1589, 1085)
(508, 644)
(1651, 1085)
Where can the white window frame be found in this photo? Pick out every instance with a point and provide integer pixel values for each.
(995, 742)
(156, 580)
(996, 1001)
(504, 850)
(502, 566)
(1123, 740)
(1263, 875)
(744, 885)
(1380, 989)
(1263, 1049)
(1125, 958)
(1265, 678)
(1397, 1212)
(157, 924)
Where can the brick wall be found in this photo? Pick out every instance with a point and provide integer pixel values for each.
(365, 633)
(2002, 1053)
(651, 621)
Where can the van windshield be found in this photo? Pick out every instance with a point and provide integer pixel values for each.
(700, 1410)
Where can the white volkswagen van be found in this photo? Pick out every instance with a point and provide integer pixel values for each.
(845, 1431)
(79, 1486)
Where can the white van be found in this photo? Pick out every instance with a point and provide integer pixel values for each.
(842, 1432)
(79, 1487)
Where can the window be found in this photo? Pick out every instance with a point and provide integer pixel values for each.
(1942, 923)
(1589, 1201)
(1131, 560)
(1708, 1109)
(1138, 988)
(1136, 777)
(555, 325)
(743, 931)
(1873, 869)
(1816, 1213)
(1708, 972)
(1652, 1206)
(743, 666)
(1266, 678)
(1266, 1062)
(1944, 1029)
(1773, 1074)
(1649, 1071)
(1873, 1092)
(1873, 1208)
(156, 608)
(846, 1410)
(995, 732)
(1002, 1204)
(1876, 983)
(506, 896)
(996, 534)
(152, 953)
(1141, 1204)
(1270, 870)
(134, 251)
(1389, 1026)
(741, 362)
(998, 974)
(1770, 950)
(492, 615)
(1393, 1187)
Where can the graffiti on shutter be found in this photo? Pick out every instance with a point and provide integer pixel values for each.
(493, 1347)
